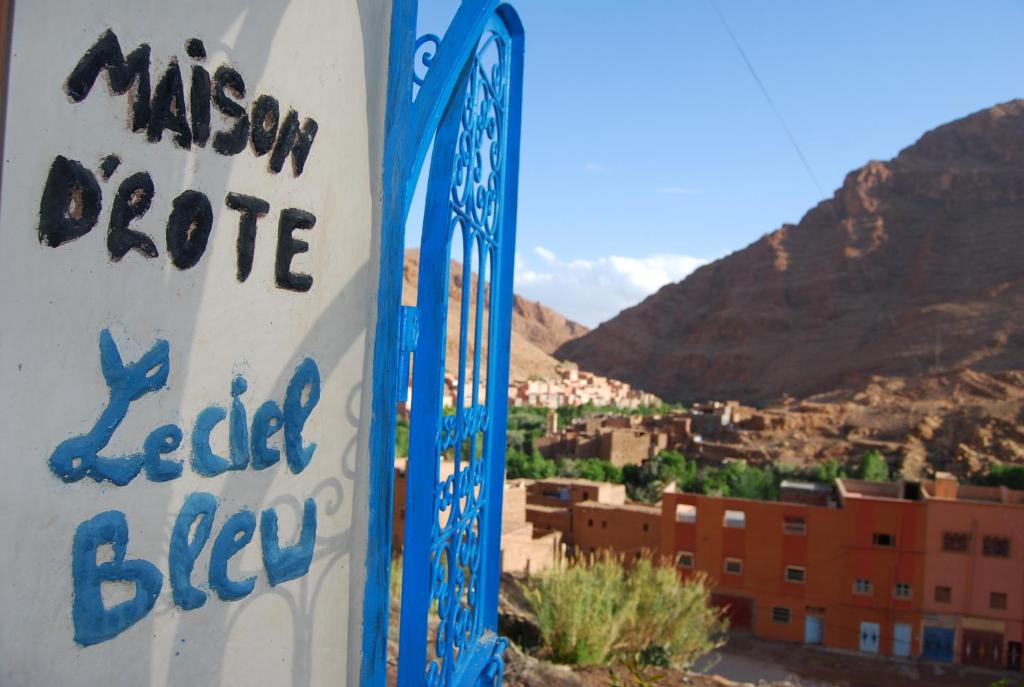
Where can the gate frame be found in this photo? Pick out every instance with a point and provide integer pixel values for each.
(409, 127)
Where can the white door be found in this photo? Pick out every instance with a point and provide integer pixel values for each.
(869, 633)
(901, 640)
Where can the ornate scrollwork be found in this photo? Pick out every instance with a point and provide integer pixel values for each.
(476, 180)
(426, 48)
(460, 506)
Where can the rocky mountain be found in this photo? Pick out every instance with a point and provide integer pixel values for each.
(536, 330)
(914, 266)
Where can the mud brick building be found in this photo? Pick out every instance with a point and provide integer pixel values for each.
(524, 548)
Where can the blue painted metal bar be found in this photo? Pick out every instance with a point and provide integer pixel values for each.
(501, 309)
(395, 207)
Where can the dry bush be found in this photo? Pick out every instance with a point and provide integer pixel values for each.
(594, 611)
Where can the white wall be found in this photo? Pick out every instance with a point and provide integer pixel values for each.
(327, 60)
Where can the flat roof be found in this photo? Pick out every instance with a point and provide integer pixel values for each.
(651, 508)
(805, 486)
(546, 509)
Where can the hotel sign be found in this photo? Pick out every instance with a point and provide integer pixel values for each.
(187, 207)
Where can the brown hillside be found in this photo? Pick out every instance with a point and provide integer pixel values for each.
(536, 330)
(915, 265)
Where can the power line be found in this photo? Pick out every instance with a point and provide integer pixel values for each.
(764, 91)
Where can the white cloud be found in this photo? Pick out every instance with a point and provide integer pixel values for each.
(545, 255)
(595, 168)
(592, 291)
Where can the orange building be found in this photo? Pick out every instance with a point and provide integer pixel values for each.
(881, 528)
(773, 565)
(934, 570)
(973, 595)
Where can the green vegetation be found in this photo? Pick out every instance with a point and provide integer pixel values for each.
(590, 468)
(568, 414)
(520, 465)
(402, 438)
(1003, 475)
(525, 425)
(595, 612)
(737, 478)
(873, 467)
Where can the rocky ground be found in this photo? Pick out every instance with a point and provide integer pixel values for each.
(744, 661)
(961, 421)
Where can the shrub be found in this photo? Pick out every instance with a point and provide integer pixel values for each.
(1003, 475)
(670, 617)
(581, 607)
(591, 468)
(873, 467)
(527, 465)
(828, 471)
(402, 438)
(591, 612)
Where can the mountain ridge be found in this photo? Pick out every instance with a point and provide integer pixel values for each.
(912, 266)
(537, 330)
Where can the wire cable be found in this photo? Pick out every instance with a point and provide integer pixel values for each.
(767, 97)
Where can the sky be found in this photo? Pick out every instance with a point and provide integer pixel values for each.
(648, 148)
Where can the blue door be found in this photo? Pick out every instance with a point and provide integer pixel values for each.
(937, 644)
(901, 639)
(812, 629)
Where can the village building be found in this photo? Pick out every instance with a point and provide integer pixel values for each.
(574, 387)
(524, 548)
(930, 570)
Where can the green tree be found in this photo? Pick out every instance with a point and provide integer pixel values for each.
(1003, 475)
(873, 467)
(520, 465)
(828, 471)
(598, 470)
(402, 438)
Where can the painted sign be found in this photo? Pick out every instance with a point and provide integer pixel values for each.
(189, 196)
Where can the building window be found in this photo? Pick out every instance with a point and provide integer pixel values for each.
(684, 559)
(943, 595)
(795, 526)
(955, 542)
(735, 518)
(686, 513)
(733, 566)
(604, 524)
(997, 547)
(795, 573)
(902, 590)
(780, 615)
(590, 522)
(883, 539)
(862, 586)
(646, 527)
(997, 600)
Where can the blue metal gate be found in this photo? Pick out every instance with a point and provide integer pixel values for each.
(469, 103)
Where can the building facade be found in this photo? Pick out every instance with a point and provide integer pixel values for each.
(931, 570)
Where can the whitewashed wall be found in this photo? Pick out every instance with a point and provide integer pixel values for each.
(326, 59)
